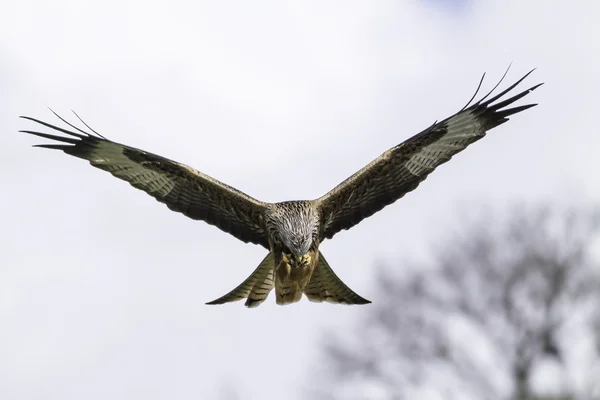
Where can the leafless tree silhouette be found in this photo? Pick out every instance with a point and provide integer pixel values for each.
(504, 297)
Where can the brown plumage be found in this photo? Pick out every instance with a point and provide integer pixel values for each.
(292, 230)
(403, 167)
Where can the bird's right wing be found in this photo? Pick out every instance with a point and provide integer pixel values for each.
(180, 187)
(402, 168)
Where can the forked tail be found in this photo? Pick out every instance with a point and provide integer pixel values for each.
(255, 288)
(326, 286)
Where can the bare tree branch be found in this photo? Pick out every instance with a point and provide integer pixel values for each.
(511, 288)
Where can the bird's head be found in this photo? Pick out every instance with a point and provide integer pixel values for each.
(296, 231)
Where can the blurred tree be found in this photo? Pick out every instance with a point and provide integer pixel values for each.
(504, 300)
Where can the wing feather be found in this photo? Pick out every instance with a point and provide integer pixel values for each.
(402, 168)
(180, 187)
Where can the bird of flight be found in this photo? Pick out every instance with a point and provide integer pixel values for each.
(291, 231)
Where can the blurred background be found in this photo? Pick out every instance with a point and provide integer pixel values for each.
(484, 281)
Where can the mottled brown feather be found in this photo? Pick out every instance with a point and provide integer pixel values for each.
(402, 168)
(180, 187)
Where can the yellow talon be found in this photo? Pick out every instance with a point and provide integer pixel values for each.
(304, 260)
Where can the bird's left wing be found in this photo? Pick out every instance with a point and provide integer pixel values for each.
(402, 168)
(180, 187)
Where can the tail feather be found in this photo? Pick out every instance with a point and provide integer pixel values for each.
(255, 288)
(290, 295)
(325, 285)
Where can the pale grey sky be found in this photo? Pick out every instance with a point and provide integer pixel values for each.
(102, 288)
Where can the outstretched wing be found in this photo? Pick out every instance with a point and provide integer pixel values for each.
(180, 187)
(400, 169)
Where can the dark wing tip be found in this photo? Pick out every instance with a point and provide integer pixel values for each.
(51, 137)
(531, 89)
(81, 134)
(77, 139)
(493, 114)
(62, 147)
(77, 143)
(505, 91)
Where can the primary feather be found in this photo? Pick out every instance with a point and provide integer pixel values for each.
(402, 168)
(180, 187)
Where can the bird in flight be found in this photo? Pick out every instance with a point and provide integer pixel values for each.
(291, 231)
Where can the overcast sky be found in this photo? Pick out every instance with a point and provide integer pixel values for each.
(102, 289)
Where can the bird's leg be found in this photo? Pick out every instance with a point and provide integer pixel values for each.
(297, 261)
(304, 260)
